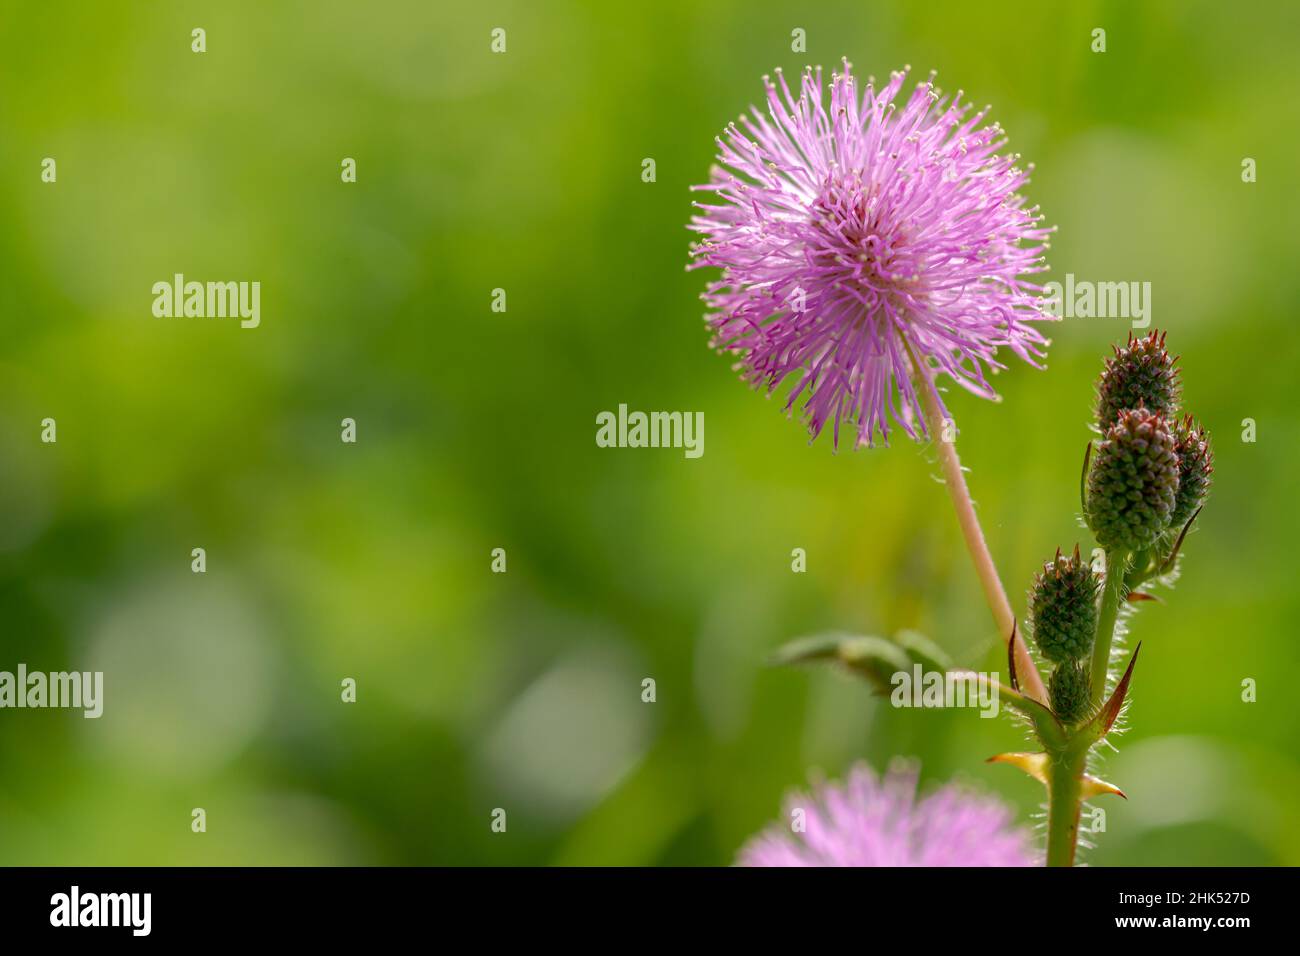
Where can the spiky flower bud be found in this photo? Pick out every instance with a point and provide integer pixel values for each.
(1063, 608)
(1141, 373)
(1069, 690)
(1195, 465)
(1133, 483)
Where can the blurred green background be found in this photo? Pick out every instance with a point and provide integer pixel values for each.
(476, 431)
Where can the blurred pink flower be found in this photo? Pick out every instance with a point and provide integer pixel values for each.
(872, 822)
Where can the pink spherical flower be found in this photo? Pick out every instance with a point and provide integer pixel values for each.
(856, 235)
(867, 821)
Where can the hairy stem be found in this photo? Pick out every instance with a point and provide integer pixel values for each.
(1064, 803)
(954, 478)
(1111, 597)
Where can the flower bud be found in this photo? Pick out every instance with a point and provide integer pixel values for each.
(1195, 465)
(1069, 690)
(1063, 608)
(1141, 373)
(1133, 483)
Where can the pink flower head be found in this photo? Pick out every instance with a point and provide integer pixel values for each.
(872, 822)
(853, 236)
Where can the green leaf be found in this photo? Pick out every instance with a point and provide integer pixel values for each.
(873, 658)
(923, 651)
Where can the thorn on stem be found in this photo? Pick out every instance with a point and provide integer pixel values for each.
(1110, 710)
(1083, 482)
(1135, 597)
(1011, 657)
(1173, 553)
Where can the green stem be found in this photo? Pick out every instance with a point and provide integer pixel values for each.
(1111, 597)
(1064, 803)
(1139, 570)
(955, 480)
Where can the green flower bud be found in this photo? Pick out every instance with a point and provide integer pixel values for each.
(1195, 465)
(1069, 690)
(1063, 608)
(1141, 373)
(1133, 483)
